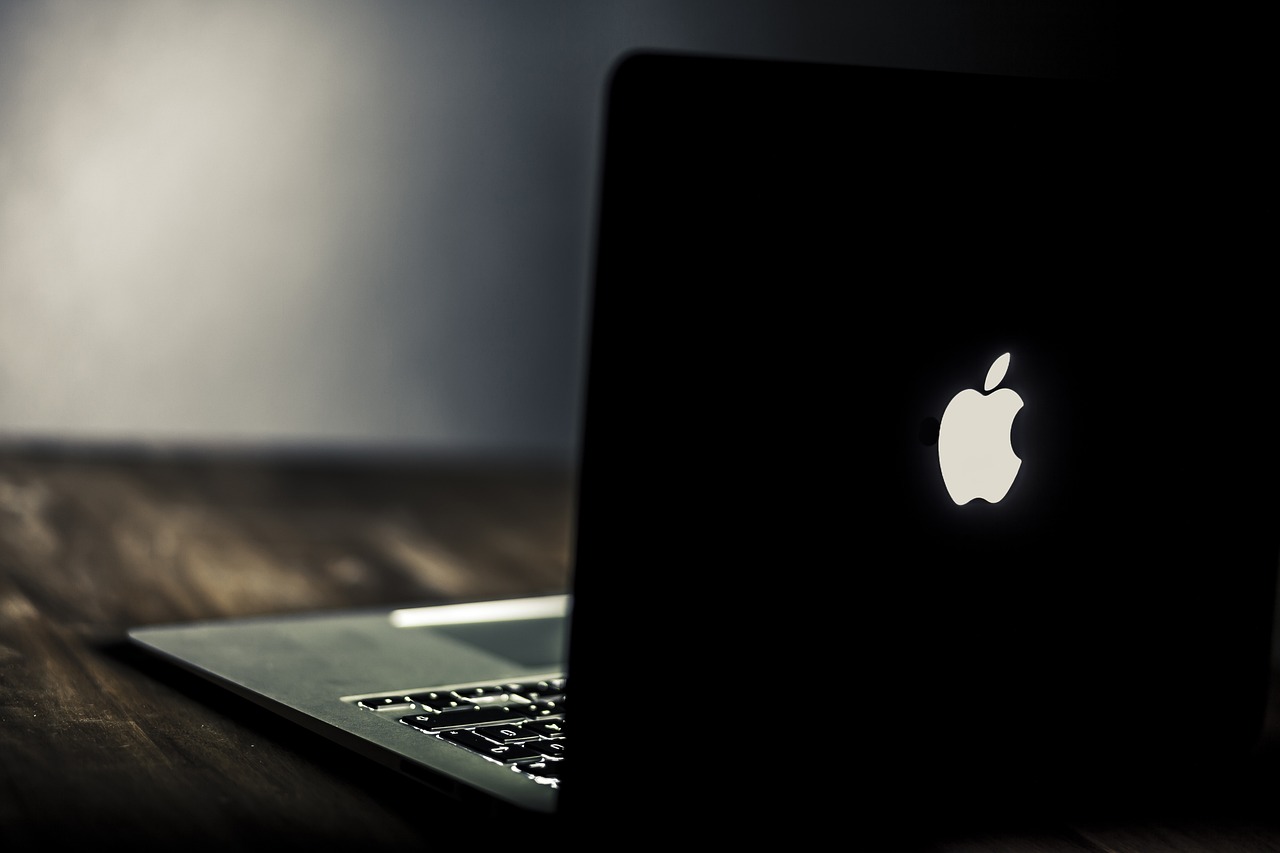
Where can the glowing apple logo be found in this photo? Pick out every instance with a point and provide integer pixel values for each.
(974, 448)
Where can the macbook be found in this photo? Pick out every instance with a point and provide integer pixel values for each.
(926, 454)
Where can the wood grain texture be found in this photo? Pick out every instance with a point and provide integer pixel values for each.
(100, 743)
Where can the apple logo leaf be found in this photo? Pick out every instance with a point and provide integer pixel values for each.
(996, 374)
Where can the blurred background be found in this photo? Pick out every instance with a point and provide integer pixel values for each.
(340, 225)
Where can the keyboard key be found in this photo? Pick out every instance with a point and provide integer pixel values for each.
(484, 695)
(508, 734)
(469, 738)
(547, 769)
(535, 690)
(552, 748)
(387, 703)
(507, 753)
(541, 709)
(462, 718)
(436, 700)
(550, 727)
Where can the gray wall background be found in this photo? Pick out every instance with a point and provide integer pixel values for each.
(360, 224)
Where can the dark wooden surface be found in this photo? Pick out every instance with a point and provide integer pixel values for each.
(100, 744)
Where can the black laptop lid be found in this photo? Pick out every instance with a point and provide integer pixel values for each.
(798, 268)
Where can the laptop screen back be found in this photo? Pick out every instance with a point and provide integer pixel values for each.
(800, 269)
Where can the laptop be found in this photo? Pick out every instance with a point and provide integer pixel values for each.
(925, 470)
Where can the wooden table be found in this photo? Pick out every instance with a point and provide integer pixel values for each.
(99, 744)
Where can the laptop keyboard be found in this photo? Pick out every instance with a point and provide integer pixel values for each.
(517, 724)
